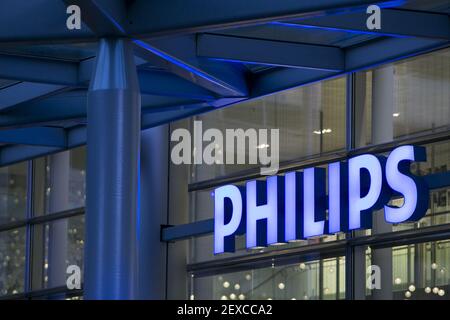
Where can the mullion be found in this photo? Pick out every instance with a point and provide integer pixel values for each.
(29, 231)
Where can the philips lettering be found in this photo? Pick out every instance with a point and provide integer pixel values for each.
(295, 206)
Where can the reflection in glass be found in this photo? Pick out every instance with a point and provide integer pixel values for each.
(311, 120)
(419, 271)
(59, 181)
(63, 246)
(313, 280)
(13, 192)
(421, 96)
(12, 261)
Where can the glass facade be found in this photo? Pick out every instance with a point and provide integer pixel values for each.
(311, 280)
(42, 224)
(419, 271)
(301, 114)
(59, 182)
(63, 246)
(13, 189)
(420, 97)
(42, 200)
(417, 92)
(12, 257)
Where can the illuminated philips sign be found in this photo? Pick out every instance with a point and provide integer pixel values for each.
(294, 206)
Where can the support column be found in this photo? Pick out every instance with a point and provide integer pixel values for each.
(113, 145)
(178, 252)
(153, 212)
(59, 199)
(357, 264)
(382, 131)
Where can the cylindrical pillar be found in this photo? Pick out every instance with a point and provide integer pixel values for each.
(113, 144)
(383, 105)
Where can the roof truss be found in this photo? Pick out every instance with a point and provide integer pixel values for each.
(186, 64)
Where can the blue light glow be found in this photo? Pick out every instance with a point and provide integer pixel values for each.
(177, 62)
(312, 204)
(293, 207)
(357, 204)
(290, 206)
(360, 32)
(268, 212)
(222, 232)
(334, 197)
(399, 179)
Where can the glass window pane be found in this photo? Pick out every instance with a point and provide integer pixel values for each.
(13, 192)
(310, 119)
(202, 248)
(12, 261)
(415, 272)
(57, 245)
(59, 181)
(421, 97)
(313, 280)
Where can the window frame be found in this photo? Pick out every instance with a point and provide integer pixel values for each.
(29, 223)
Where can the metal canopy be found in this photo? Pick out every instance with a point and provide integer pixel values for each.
(192, 56)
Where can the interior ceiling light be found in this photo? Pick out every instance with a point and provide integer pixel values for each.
(324, 131)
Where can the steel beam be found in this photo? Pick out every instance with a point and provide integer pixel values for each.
(64, 106)
(377, 52)
(166, 84)
(202, 16)
(37, 22)
(281, 79)
(386, 50)
(394, 22)
(26, 91)
(185, 231)
(38, 70)
(105, 18)
(179, 57)
(73, 137)
(108, 18)
(44, 21)
(72, 105)
(158, 118)
(38, 136)
(274, 53)
(45, 72)
(17, 153)
(77, 136)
